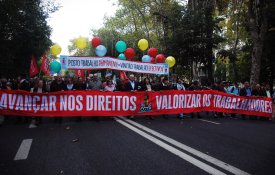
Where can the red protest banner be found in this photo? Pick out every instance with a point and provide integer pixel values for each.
(97, 103)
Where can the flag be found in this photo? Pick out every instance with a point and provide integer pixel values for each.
(33, 67)
(45, 65)
(79, 72)
(122, 75)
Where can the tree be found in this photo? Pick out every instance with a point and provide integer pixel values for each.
(23, 31)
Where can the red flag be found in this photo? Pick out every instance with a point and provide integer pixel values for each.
(45, 65)
(33, 67)
(79, 72)
(122, 75)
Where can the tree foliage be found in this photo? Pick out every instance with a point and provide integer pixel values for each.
(23, 32)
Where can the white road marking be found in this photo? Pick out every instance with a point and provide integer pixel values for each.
(195, 152)
(209, 121)
(173, 150)
(23, 150)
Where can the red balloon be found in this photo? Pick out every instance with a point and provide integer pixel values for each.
(130, 53)
(96, 41)
(152, 52)
(160, 58)
(153, 60)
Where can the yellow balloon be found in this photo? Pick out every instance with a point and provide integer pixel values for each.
(55, 49)
(81, 43)
(143, 44)
(171, 61)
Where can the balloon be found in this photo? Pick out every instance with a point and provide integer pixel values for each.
(122, 56)
(55, 66)
(170, 61)
(81, 43)
(130, 53)
(96, 41)
(146, 59)
(152, 52)
(100, 50)
(160, 58)
(121, 46)
(55, 50)
(143, 44)
(153, 60)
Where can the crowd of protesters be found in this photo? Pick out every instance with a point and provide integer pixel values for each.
(132, 83)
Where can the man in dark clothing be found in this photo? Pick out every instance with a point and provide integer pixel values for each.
(132, 85)
(194, 86)
(246, 92)
(58, 85)
(23, 83)
(24, 86)
(258, 91)
(164, 85)
(80, 84)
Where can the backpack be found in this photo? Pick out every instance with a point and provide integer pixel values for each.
(232, 90)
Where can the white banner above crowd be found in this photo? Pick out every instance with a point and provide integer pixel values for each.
(92, 63)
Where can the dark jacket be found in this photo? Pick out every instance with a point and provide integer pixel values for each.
(144, 87)
(258, 93)
(36, 89)
(243, 91)
(130, 88)
(57, 87)
(161, 87)
(24, 86)
(81, 86)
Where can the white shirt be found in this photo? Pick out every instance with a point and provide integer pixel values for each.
(132, 84)
(180, 86)
(149, 88)
(268, 94)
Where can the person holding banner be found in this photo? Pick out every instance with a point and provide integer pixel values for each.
(194, 86)
(132, 86)
(245, 91)
(110, 86)
(23, 85)
(180, 87)
(58, 85)
(95, 83)
(80, 84)
(147, 85)
(38, 88)
(164, 85)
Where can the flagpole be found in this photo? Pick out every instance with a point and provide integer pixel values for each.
(39, 74)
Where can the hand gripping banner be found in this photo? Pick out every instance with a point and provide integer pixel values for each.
(99, 103)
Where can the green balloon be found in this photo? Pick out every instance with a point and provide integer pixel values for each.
(55, 66)
(122, 56)
(121, 46)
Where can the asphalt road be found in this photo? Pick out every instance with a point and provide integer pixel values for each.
(121, 146)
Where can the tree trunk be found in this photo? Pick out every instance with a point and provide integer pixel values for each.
(195, 71)
(257, 21)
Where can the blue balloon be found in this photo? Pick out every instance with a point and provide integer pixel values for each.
(122, 56)
(121, 46)
(146, 59)
(100, 51)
